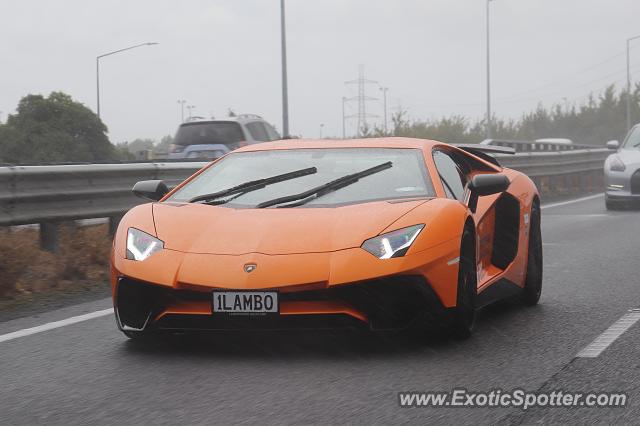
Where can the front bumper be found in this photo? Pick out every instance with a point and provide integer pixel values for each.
(623, 186)
(622, 197)
(622, 194)
(394, 302)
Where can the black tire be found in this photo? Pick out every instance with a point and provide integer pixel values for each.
(464, 314)
(613, 205)
(533, 282)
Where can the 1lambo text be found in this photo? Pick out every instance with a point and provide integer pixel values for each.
(517, 398)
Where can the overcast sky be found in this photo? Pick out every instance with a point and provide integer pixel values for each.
(220, 54)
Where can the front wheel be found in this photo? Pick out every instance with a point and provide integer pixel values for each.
(464, 314)
(533, 281)
(613, 205)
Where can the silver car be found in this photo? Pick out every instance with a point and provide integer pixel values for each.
(204, 139)
(622, 172)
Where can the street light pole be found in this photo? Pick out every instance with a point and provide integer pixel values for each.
(190, 108)
(285, 94)
(98, 85)
(488, 75)
(629, 81)
(98, 69)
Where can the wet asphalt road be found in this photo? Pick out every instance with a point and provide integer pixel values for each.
(89, 373)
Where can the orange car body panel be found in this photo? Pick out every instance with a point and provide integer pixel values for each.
(207, 246)
(230, 231)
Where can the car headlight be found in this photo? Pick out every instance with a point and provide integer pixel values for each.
(616, 164)
(141, 245)
(392, 244)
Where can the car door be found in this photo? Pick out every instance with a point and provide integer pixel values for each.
(454, 174)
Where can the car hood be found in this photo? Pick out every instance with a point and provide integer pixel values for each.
(199, 228)
(629, 156)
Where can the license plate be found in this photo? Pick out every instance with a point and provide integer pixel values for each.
(245, 302)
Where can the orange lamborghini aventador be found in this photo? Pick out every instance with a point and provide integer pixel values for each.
(377, 233)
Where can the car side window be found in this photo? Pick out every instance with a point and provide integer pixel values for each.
(258, 131)
(273, 135)
(452, 177)
(633, 140)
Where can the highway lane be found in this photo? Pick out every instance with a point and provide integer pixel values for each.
(89, 373)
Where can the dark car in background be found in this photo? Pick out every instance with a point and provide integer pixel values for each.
(210, 139)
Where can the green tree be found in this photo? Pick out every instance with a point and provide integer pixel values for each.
(138, 149)
(54, 129)
(163, 146)
(599, 119)
(138, 145)
(123, 153)
(453, 129)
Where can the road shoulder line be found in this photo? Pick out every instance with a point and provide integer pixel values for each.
(55, 324)
(610, 335)
(577, 200)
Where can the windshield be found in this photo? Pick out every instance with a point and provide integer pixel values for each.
(220, 132)
(633, 140)
(406, 179)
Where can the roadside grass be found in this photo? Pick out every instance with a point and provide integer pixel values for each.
(25, 269)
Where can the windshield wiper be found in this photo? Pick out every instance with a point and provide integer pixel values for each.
(253, 185)
(321, 190)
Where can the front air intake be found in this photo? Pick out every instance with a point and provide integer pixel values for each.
(635, 183)
(136, 302)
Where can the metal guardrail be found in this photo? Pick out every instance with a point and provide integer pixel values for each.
(556, 163)
(36, 194)
(535, 146)
(563, 173)
(48, 195)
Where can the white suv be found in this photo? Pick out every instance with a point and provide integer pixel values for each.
(209, 139)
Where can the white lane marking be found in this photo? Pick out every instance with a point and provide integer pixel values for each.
(579, 215)
(577, 200)
(55, 324)
(610, 335)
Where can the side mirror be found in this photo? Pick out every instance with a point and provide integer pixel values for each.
(613, 145)
(486, 184)
(151, 189)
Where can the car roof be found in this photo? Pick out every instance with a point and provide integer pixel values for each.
(242, 118)
(388, 142)
(564, 141)
(207, 147)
